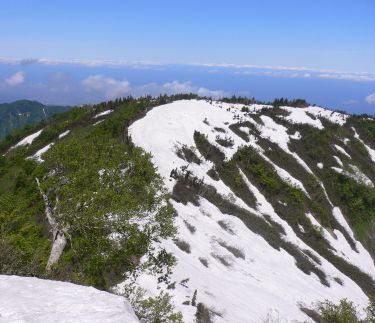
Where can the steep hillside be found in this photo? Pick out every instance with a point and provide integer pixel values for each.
(196, 210)
(18, 114)
(275, 206)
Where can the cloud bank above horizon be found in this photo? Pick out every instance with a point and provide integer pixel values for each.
(90, 81)
(246, 69)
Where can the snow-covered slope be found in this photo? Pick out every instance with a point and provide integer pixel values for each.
(233, 270)
(29, 139)
(26, 299)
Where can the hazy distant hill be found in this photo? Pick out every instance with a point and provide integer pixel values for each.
(18, 114)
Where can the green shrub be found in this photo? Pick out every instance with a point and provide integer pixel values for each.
(203, 314)
(226, 142)
(154, 309)
(344, 312)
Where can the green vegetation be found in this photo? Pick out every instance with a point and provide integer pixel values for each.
(24, 244)
(183, 245)
(154, 309)
(103, 192)
(112, 206)
(213, 174)
(356, 201)
(240, 133)
(298, 103)
(365, 127)
(18, 114)
(208, 151)
(293, 209)
(233, 250)
(343, 312)
(77, 117)
(226, 141)
(188, 154)
(203, 314)
(188, 189)
(105, 195)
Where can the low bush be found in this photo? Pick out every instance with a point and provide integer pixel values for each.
(159, 309)
(226, 142)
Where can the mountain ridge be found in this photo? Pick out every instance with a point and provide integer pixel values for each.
(198, 130)
(16, 115)
(272, 204)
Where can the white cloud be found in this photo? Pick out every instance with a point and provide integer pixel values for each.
(87, 62)
(370, 99)
(358, 77)
(187, 87)
(250, 69)
(110, 87)
(177, 87)
(16, 79)
(202, 91)
(291, 73)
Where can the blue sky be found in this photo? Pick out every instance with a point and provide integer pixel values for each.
(321, 50)
(321, 34)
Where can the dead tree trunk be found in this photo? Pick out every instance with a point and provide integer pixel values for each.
(58, 235)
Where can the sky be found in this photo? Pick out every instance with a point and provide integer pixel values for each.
(262, 48)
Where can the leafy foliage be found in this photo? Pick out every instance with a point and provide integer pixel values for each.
(345, 312)
(105, 194)
(154, 309)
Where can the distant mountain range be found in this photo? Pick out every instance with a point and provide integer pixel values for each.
(20, 113)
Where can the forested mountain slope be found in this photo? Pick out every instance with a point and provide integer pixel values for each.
(225, 212)
(18, 114)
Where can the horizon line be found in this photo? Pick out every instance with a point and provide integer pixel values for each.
(134, 63)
